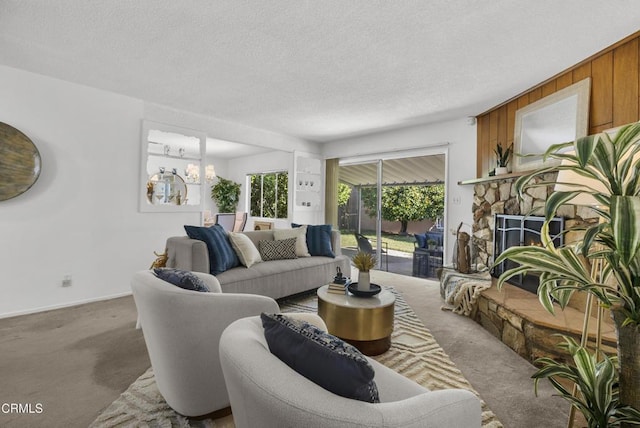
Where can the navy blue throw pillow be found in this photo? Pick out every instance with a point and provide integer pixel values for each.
(318, 239)
(320, 357)
(221, 254)
(421, 238)
(181, 278)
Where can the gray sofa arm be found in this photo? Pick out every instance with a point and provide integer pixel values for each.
(187, 254)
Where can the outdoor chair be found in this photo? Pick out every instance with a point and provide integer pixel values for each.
(364, 245)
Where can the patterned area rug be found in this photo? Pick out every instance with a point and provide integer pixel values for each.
(414, 353)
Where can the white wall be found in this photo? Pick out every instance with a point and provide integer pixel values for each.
(221, 167)
(81, 217)
(456, 137)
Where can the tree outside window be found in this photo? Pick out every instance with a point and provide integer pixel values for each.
(270, 195)
(406, 203)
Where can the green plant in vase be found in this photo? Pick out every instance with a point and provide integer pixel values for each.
(364, 262)
(611, 164)
(226, 194)
(502, 157)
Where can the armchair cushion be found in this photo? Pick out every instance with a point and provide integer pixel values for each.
(320, 357)
(182, 279)
(318, 239)
(221, 255)
(421, 240)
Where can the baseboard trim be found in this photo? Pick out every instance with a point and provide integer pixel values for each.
(63, 305)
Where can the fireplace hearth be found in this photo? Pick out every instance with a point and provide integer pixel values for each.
(518, 230)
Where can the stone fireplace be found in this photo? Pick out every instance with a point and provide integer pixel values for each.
(513, 314)
(497, 195)
(517, 230)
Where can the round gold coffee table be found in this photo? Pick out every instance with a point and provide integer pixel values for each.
(365, 322)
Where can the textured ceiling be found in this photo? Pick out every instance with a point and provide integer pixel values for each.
(318, 70)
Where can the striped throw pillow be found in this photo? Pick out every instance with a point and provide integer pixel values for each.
(222, 257)
(318, 239)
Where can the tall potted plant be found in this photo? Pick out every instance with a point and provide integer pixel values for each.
(613, 162)
(226, 194)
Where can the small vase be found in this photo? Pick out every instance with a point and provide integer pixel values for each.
(500, 170)
(364, 281)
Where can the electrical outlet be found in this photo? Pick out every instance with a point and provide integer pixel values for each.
(457, 200)
(66, 281)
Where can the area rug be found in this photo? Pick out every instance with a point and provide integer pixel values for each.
(414, 353)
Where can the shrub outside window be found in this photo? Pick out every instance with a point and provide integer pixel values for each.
(269, 195)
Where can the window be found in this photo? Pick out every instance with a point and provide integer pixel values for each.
(270, 195)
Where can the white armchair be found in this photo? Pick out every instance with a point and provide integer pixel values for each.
(182, 331)
(266, 393)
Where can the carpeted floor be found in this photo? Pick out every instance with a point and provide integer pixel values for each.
(76, 361)
(414, 353)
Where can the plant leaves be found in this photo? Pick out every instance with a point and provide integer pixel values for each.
(625, 213)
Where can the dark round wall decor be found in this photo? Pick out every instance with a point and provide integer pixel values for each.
(19, 162)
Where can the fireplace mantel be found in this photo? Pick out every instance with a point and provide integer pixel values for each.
(493, 178)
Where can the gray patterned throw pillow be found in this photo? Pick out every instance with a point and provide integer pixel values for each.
(278, 250)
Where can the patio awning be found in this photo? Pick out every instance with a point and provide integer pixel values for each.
(413, 170)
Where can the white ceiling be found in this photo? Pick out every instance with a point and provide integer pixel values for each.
(319, 70)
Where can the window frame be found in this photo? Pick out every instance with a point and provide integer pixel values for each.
(262, 175)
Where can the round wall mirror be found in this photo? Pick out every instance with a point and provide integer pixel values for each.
(166, 189)
(19, 162)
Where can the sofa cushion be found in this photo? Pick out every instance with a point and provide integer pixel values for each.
(318, 239)
(181, 278)
(245, 249)
(320, 357)
(221, 254)
(278, 249)
(301, 239)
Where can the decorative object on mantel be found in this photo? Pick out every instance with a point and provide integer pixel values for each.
(611, 161)
(226, 195)
(364, 262)
(503, 156)
(19, 162)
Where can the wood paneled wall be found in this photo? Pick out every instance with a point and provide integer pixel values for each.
(615, 98)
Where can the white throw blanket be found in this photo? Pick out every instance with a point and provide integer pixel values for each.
(461, 291)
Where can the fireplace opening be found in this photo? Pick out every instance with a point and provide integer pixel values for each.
(517, 230)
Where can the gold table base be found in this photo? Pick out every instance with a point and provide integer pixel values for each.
(367, 327)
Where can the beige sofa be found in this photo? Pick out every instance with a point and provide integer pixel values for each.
(275, 278)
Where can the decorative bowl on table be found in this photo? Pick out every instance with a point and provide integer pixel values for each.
(373, 290)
